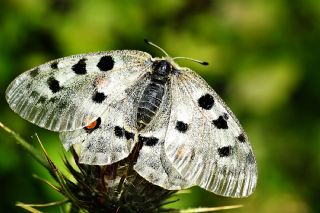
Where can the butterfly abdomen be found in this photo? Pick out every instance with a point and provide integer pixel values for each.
(149, 103)
(153, 93)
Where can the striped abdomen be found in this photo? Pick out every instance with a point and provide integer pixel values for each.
(149, 103)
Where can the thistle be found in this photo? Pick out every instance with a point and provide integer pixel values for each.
(111, 188)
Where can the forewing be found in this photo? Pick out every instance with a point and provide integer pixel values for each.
(205, 141)
(71, 92)
(111, 138)
(152, 163)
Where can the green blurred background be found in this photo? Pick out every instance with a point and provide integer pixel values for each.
(264, 62)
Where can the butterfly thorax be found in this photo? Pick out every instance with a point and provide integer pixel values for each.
(152, 95)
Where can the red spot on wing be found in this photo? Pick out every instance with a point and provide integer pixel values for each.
(92, 125)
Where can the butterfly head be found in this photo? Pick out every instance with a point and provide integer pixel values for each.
(162, 67)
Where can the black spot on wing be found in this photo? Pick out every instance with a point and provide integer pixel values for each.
(148, 141)
(128, 135)
(225, 151)
(241, 138)
(42, 100)
(33, 73)
(181, 126)
(220, 123)
(206, 101)
(118, 131)
(53, 84)
(80, 67)
(106, 63)
(98, 97)
(54, 65)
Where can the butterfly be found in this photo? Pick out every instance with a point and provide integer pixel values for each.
(107, 102)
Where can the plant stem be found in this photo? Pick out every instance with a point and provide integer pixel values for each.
(29, 148)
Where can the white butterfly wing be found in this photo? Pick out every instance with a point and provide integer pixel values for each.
(71, 92)
(112, 137)
(152, 163)
(205, 141)
(154, 166)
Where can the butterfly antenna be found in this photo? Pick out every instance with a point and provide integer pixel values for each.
(192, 59)
(156, 46)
